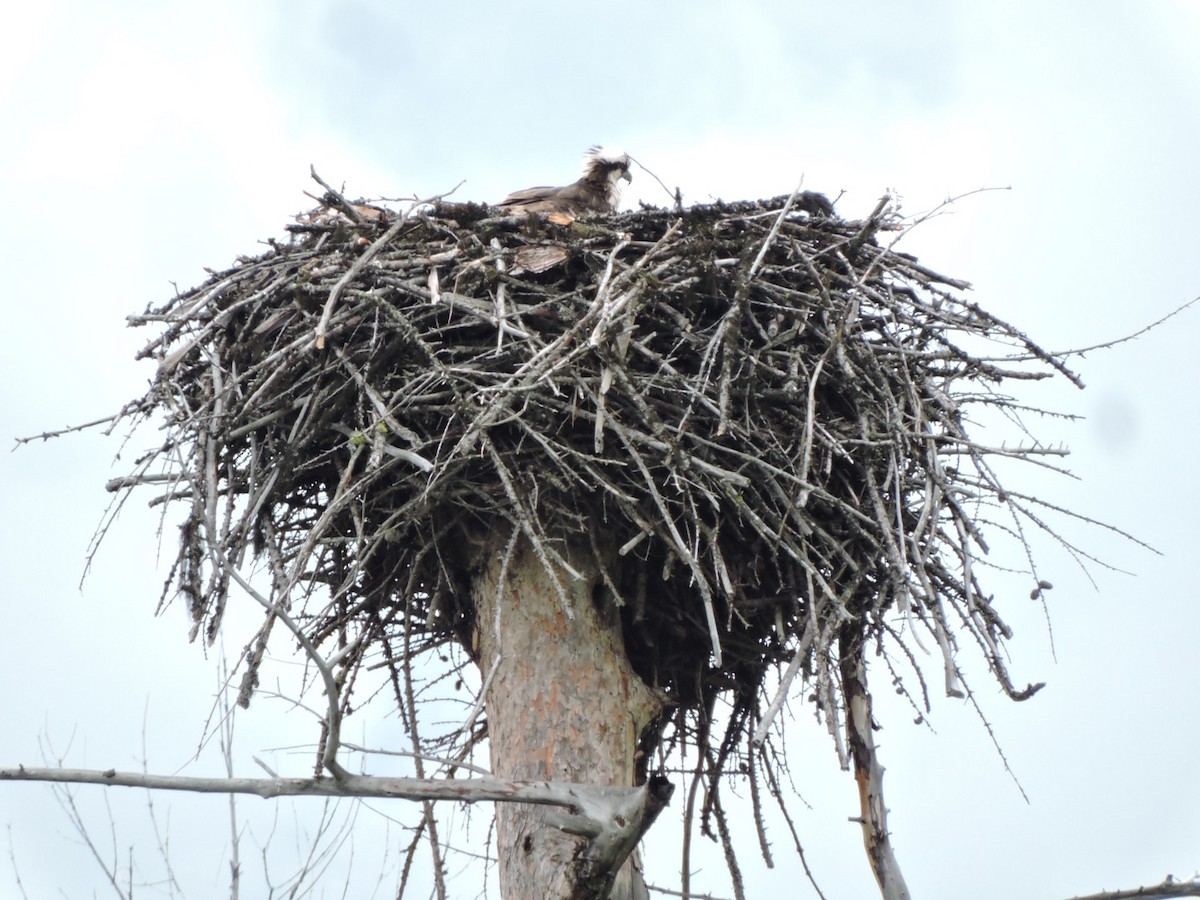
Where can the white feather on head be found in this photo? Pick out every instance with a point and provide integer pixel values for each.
(606, 155)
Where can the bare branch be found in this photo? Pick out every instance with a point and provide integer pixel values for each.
(1167, 889)
(613, 819)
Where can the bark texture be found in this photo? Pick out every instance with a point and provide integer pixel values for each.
(563, 705)
(867, 771)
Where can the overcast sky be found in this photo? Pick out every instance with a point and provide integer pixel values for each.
(144, 141)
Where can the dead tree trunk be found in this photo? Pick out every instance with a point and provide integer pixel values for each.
(868, 772)
(563, 704)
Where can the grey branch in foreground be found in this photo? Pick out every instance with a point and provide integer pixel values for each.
(586, 800)
(615, 818)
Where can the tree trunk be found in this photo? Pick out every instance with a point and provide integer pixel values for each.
(563, 705)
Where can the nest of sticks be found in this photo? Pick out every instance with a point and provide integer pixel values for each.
(756, 411)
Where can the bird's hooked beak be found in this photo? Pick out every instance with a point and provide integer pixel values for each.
(627, 176)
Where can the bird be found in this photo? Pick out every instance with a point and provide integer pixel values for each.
(598, 190)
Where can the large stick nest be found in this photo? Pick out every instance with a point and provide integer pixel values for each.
(755, 413)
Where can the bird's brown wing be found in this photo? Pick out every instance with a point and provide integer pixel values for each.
(583, 197)
(534, 199)
(574, 200)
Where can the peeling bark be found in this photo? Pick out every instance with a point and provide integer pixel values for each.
(564, 704)
(867, 770)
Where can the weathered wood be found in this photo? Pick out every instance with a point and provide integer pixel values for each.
(564, 704)
(587, 799)
(867, 770)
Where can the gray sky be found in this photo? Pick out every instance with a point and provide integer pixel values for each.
(147, 140)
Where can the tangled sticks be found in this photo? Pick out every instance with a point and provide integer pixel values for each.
(754, 413)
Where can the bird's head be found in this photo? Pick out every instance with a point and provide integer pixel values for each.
(607, 164)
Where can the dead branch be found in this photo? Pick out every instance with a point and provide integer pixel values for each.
(868, 772)
(1167, 889)
(613, 819)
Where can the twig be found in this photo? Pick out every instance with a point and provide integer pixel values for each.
(362, 261)
(1167, 889)
(336, 199)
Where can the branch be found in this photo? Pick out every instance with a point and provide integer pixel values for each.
(467, 790)
(359, 264)
(614, 818)
(1169, 888)
(867, 770)
(335, 198)
(1079, 351)
(47, 435)
(350, 274)
(333, 726)
(633, 810)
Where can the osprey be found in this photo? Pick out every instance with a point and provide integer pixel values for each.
(597, 191)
